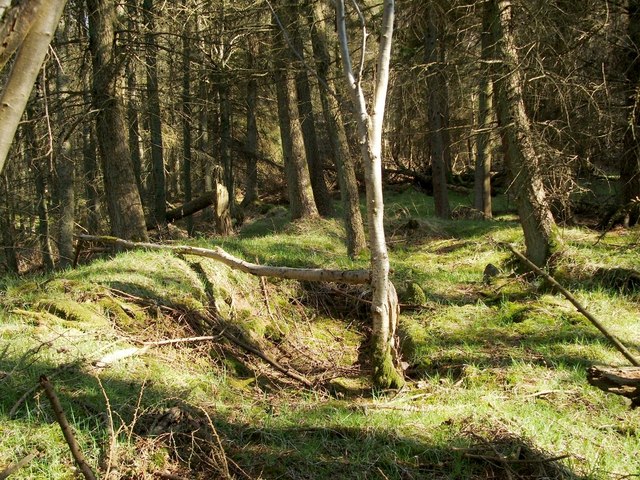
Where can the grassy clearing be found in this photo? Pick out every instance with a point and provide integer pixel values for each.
(497, 371)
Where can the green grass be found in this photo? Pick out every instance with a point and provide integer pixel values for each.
(493, 369)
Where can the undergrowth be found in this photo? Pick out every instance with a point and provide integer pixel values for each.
(495, 367)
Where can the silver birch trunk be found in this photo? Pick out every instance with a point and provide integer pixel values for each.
(384, 305)
(26, 66)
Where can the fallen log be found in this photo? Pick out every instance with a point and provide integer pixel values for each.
(623, 381)
(355, 277)
(186, 209)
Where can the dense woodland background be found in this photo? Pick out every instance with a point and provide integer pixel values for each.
(232, 93)
(228, 127)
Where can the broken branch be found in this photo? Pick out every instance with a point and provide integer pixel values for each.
(614, 341)
(302, 274)
(66, 429)
(14, 467)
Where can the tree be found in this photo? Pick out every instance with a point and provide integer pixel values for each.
(159, 194)
(538, 225)
(438, 138)
(38, 24)
(630, 162)
(356, 240)
(307, 116)
(123, 198)
(301, 201)
(482, 177)
(384, 306)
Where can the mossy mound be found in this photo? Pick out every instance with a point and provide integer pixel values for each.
(70, 310)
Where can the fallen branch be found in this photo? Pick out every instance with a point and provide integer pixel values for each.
(302, 274)
(66, 429)
(286, 371)
(614, 341)
(186, 209)
(623, 381)
(14, 467)
(503, 459)
(133, 351)
(214, 323)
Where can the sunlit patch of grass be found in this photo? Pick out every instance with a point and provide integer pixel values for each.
(497, 364)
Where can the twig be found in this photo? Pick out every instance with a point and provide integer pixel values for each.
(543, 393)
(66, 429)
(108, 460)
(14, 467)
(172, 341)
(499, 458)
(287, 371)
(616, 343)
(515, 460)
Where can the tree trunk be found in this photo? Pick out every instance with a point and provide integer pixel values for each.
(28, 60)
(482, 178)
(540, 231)
(321, 193)
(630, 162)
(225, 141)
(133, 104)
(186, 120)
(301, 201)
(251, 139)
(221, 204)
(90, 173)
(8, 229)
(437, 111)
(34, 157)
(123, 198)
(65, 173)
(356, 240)
(384, 304)
(159, 194)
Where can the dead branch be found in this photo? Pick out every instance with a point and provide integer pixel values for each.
(14, 467)
(303, 274)
(214, 323)
(66, 429)
(286, 371)
(623, 381)
(614, 341)
(133, 351)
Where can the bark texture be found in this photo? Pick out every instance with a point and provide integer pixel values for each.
(350, 197)
(482, 177)
(307, 116)
(438, 137)
(153, 111)
(301, 200)
(537, 222)
(123, 198)
(32, 49)
(630, 162)
(384, 309)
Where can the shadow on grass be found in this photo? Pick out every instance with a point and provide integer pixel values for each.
(308, 444)
(440, 350)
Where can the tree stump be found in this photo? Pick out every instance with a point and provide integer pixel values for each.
(623, 381)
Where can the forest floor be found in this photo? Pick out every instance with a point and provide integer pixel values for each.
(495, 369)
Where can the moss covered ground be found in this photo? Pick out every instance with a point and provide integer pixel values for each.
(495, 370)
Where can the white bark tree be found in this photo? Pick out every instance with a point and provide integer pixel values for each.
(384, 307)
(39, 24)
